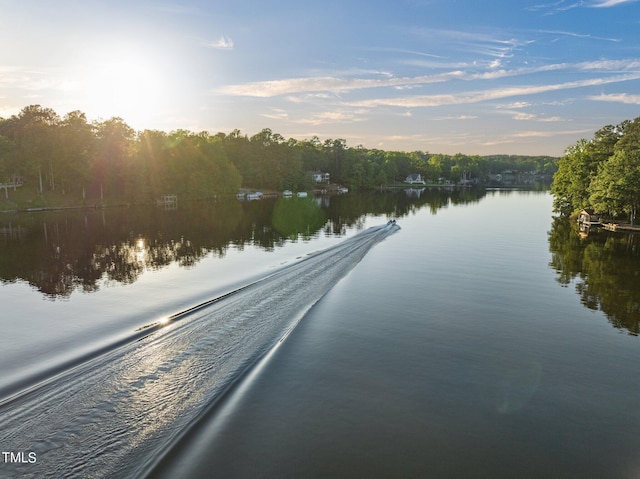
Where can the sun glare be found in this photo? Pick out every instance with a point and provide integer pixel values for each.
(127, 84)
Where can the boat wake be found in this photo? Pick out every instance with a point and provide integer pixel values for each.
(115, 412)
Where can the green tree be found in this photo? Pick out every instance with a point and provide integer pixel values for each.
(603, 173)
(571, 182)
(77, 144)
(112, 159)
(335, 150)
(629, 133)
(34, 133)
(151, 151)
(616, 187)
(6, 155)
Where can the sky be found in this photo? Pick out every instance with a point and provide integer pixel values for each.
(527, 77)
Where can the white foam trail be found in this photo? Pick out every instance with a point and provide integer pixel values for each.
(113, 414)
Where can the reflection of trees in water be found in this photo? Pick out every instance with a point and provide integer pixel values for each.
(605, 268)
(293, 217)
(62, 252)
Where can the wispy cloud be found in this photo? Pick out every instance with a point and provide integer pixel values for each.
(277, 114)
(408, 52)
(580, 35)
(498, 45)
(332, 117)
(523, 116)
(617, 98)
(610, 3)
(299, 85)
(486, 95)
(292, 86)
(547, 134)
(520, 116)
(516, 104)
(559, 6)
(564, 5)
(222, 43)
(628, 64)
(286, 86)
(519, 137)
(458, 117)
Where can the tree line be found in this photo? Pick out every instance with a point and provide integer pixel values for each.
(602, 174)
(109, 160)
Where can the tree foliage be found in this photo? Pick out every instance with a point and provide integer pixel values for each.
(107, 160)
(616, 187)
(602, 174)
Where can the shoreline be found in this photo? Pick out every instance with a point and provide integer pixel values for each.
(331, 189)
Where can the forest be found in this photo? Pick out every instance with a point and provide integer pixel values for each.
(69, 159)
(601, 174)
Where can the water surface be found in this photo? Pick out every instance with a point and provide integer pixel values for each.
(485, 338)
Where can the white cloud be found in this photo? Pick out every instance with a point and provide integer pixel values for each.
(564, 5)
(516, 104)
(547, 134)
(551, 119)
(485, 95)
(624, 64)
(290, 86)
(579, 35)
(461, 117)
(618, 98)
(271, 88)
(520, 116)
(610, 3)
(496, 46)
(277, 114)
(222, 43)
(519, 137)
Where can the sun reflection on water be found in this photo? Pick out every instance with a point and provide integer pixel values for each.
(141, 250)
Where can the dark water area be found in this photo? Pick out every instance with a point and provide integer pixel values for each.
(484, 338)
(65, 251)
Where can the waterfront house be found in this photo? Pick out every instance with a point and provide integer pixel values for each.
(414, 179)
(321, 177)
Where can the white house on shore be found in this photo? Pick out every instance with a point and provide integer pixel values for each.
(321, 177)
(415, 179)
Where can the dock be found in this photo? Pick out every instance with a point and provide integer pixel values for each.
(621, 227)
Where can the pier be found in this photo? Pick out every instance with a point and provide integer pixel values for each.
(621, 227)
(14, 183)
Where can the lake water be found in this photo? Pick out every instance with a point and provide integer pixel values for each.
(481, 338)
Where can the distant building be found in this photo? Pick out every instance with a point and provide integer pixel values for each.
(415, 179)
(321, 177)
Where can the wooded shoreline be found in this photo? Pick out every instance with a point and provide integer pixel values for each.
(601, 174)
(69, 160)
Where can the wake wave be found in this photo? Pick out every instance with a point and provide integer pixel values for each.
(112, 413)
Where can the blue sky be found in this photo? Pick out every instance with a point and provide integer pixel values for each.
(443, 76)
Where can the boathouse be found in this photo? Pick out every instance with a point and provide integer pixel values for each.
(588, 217)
